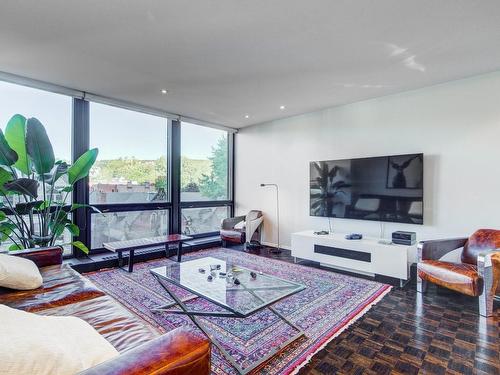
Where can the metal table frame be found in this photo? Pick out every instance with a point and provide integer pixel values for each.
(167, 308)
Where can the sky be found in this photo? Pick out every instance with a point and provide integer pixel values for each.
(115, 131)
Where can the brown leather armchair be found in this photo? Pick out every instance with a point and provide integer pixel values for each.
(250, 231)
(478, 274)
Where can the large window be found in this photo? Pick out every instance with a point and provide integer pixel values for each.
(131, 183)
(203, 219)
(204, 163)
(132, 162)
(54, 112)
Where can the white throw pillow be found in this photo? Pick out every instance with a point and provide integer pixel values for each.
(48, 345)
(19, 273)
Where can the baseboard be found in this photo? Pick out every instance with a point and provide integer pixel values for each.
(270, 244)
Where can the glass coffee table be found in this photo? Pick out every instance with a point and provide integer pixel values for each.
(240, 292)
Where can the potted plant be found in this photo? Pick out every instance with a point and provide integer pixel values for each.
(34, 187)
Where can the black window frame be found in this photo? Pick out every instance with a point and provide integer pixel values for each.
(83, 216)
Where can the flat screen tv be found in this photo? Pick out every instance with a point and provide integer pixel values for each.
(384, 188)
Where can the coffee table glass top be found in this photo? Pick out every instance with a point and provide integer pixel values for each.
(255, 290)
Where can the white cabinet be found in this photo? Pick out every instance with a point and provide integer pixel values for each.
(366, 256)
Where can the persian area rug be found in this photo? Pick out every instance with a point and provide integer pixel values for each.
(329, 304)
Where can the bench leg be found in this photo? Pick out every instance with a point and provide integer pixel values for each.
(120, 259)
(179, 252)
(131, 261)
(167, 252)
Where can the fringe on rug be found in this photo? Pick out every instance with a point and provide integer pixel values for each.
(353, 320)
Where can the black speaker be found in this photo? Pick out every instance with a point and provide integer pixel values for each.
(404, 238)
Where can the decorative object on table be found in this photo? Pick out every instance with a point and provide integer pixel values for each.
(354, 236)
(243, 230)
(35, 187)
(478, 274)
(322, 233)
(278, 249)
(330, 303)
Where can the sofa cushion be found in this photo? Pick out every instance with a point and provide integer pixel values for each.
(461, 277)
(116, 324)
(61, 286)
(19, 273)
(49, 345)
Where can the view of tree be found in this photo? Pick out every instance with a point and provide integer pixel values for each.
(130, 169)
(214, 184)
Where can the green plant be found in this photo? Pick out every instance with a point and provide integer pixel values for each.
(34, 187)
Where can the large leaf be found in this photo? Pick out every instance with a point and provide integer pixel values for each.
(15, 134)
(39, 147)
(73, 229)
(81, 246)
(7, 155)
(25, 208)
(81, 167)
(5, 176)
(15, 246)
(76, 206)
(23, 186)
(60, 169)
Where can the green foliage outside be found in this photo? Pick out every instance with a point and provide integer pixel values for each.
(209, 177)
(214, 184)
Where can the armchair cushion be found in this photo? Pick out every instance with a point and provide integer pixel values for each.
(233, 235)
(481, 240)
(462, 277)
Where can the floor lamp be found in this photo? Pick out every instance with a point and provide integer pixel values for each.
(278, 250)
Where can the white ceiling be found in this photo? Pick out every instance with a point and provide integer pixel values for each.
(224, 59)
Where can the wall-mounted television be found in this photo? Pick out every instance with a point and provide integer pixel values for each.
(383, 188)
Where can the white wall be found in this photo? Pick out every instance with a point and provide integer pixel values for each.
(456, 125)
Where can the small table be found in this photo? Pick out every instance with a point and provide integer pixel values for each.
(253, 292)
(131, 245)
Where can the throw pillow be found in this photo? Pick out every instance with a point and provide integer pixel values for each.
(19, 273)
(49, 345)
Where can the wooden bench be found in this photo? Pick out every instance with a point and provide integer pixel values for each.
(131, 245)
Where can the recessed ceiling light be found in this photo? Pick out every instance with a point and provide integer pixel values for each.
(282, 107)
(164, 91)
(247, 116)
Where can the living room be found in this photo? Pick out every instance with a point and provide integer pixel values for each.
(249, 188)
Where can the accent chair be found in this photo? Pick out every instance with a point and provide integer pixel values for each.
(477, 274)
(242, 229)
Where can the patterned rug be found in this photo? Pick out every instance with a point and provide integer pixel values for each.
(328, 305)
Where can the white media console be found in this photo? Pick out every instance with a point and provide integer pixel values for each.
(366, 256)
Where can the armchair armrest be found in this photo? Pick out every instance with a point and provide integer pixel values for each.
(176, 352)
(435, 249)
(43, 256)
(230, 222)
(488, 267)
